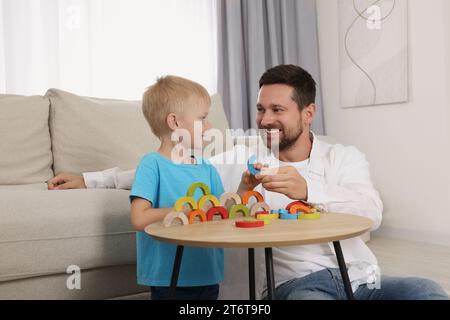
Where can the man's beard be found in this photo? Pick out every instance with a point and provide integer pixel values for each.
(286, 142)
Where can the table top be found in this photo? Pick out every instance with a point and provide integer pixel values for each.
(223, 233)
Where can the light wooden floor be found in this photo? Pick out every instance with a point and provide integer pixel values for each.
(403, 258)
(406, 258)
(138, 296)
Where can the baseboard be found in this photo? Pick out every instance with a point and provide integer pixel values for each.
(414, 235)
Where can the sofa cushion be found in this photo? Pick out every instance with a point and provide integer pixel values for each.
(92, 134)
(25, 147)
(217, 116)
(52, 230)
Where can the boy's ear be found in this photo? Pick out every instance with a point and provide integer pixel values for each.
(172, 121)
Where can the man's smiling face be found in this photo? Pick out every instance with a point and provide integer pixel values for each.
(280, 115)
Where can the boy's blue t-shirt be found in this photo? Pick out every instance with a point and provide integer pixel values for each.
(162, 182)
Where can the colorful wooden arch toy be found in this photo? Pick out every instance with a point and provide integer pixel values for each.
(302, 206)
(172, 216)
(271, 216)
(284, 216)
(255, 207)
(180, 203)
(246, 197)
(209, 197)
(250, 165)
(309, 216)
(230, 196)
(249, 224)
(239, 208)
(222, 211)
(197, 213)
(265, 218)
(297, 209)
(195, 186)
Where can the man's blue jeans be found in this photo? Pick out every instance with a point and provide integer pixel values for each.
(186, 293)
(327, 285)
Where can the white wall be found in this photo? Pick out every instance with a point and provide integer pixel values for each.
(408, 145)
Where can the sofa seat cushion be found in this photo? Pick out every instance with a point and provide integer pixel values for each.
(100, 283)
(25, 147)
(44, 232)
(20, 187)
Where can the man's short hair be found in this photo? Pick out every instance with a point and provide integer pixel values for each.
(171, 94)
(296, 77)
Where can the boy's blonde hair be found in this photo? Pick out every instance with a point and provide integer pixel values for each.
(170, 94)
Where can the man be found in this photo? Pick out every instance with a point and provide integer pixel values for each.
(333, 176)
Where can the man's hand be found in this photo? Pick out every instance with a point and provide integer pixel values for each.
(66, 181)
(286, 181)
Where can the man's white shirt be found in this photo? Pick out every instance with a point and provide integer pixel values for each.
(338, 180)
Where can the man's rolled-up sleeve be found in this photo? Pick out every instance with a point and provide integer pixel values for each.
(114, 178)
(347, 187)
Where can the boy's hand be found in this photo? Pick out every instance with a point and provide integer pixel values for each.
(66, 181)
(249, 181)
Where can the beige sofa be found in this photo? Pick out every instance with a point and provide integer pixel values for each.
(44, 232)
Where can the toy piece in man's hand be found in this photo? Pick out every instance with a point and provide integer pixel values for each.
(253, 166)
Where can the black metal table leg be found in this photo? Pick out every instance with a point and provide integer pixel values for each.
(175, 272)
(269, 274)
(343, 269)
(251, 272)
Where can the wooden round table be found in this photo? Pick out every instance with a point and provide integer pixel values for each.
(331, 227)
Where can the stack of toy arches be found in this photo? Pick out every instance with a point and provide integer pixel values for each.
(259, 210)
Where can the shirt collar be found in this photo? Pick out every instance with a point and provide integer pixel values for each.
(316, 161)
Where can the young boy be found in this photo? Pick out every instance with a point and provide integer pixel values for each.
(170, 105)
